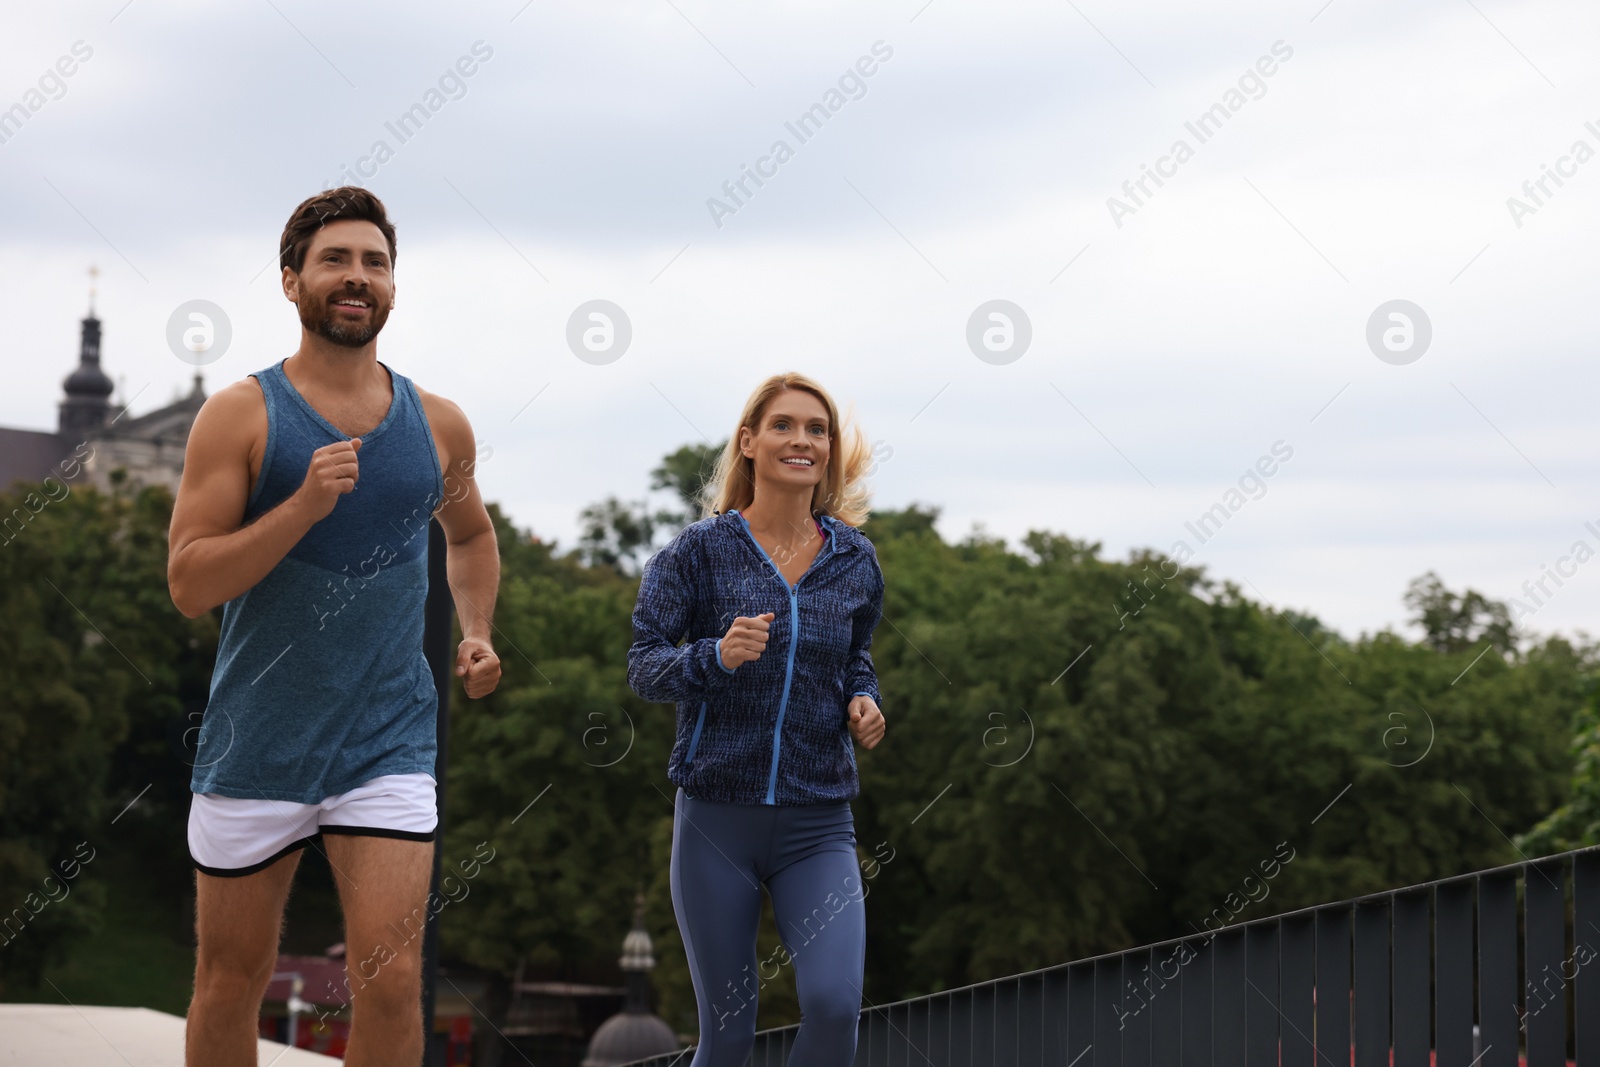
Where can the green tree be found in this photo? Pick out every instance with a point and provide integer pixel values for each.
(1575, 824)
(621, 535)
(558, 771)
(616, 535)
(1456, 622)
(93, 659)
(686, 472)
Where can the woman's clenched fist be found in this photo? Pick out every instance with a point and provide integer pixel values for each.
(745, 640)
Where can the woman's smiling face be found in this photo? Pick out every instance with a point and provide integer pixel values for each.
(791, 446)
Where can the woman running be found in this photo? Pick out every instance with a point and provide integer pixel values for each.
(777, 593)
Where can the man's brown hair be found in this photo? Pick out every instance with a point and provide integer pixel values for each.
(335, 205)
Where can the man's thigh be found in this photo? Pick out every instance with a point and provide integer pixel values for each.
(379, 841)
(238, 920)
(383, 888)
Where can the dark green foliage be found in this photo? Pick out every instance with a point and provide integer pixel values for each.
(1576, 824)
(1455, 623)
(1082, 754)
(1066, 775)
(616, 534)
(96, 665)
(621, 534)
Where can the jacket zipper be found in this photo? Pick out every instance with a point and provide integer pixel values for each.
(794, 643)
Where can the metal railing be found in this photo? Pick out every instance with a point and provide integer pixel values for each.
(1491, 969)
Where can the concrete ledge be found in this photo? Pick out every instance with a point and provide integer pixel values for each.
(87, 1036)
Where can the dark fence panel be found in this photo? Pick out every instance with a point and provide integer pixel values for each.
(1030, 1020)
(1107, 988)
(1197, 1002)
(1545, 1008)
(1227, 998)
(1057, 1014)
(1080, 1028)
(1453, 956)
(984, 1023)
(919, 1018)
(960, 1050)
(1297, 989)
(1138, 1010)
(1586, 947)
(1166, 1009)
(1428, 974)
(1261, 994)
(1413, 953)
(1497, 969)
(1371, 1010)
(1333, 973)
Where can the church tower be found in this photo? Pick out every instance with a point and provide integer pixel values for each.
(88, 388)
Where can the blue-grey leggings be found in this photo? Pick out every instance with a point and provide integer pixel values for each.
(722, 854)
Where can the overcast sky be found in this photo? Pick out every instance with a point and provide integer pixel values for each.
(1177, 336)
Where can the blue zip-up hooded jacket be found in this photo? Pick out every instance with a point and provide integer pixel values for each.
(774, 730)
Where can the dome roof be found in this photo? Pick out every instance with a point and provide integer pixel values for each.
(88, 380)
(634, 1033)
(627, 1037)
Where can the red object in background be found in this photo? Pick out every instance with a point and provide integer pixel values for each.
(458, 1049)
(326, 1027)
(328, 1037)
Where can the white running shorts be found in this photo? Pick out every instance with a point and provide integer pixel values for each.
(234, 836)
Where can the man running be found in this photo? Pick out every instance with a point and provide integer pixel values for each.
(303, 510)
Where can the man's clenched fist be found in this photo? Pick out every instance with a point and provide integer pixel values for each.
(332, 472)
(478, 667)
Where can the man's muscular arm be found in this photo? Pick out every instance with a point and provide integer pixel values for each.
(211, 558)
(472, 557)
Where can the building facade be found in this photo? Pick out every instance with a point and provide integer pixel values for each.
(92, 441)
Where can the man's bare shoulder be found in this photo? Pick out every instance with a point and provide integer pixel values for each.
(450, 427)
(236, 411)
(445, 414)
(237, 397)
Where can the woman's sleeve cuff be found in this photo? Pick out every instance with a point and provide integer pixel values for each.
(727, 670)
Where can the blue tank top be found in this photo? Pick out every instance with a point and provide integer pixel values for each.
(320, 682)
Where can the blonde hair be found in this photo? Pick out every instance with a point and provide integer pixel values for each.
(842, 492)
